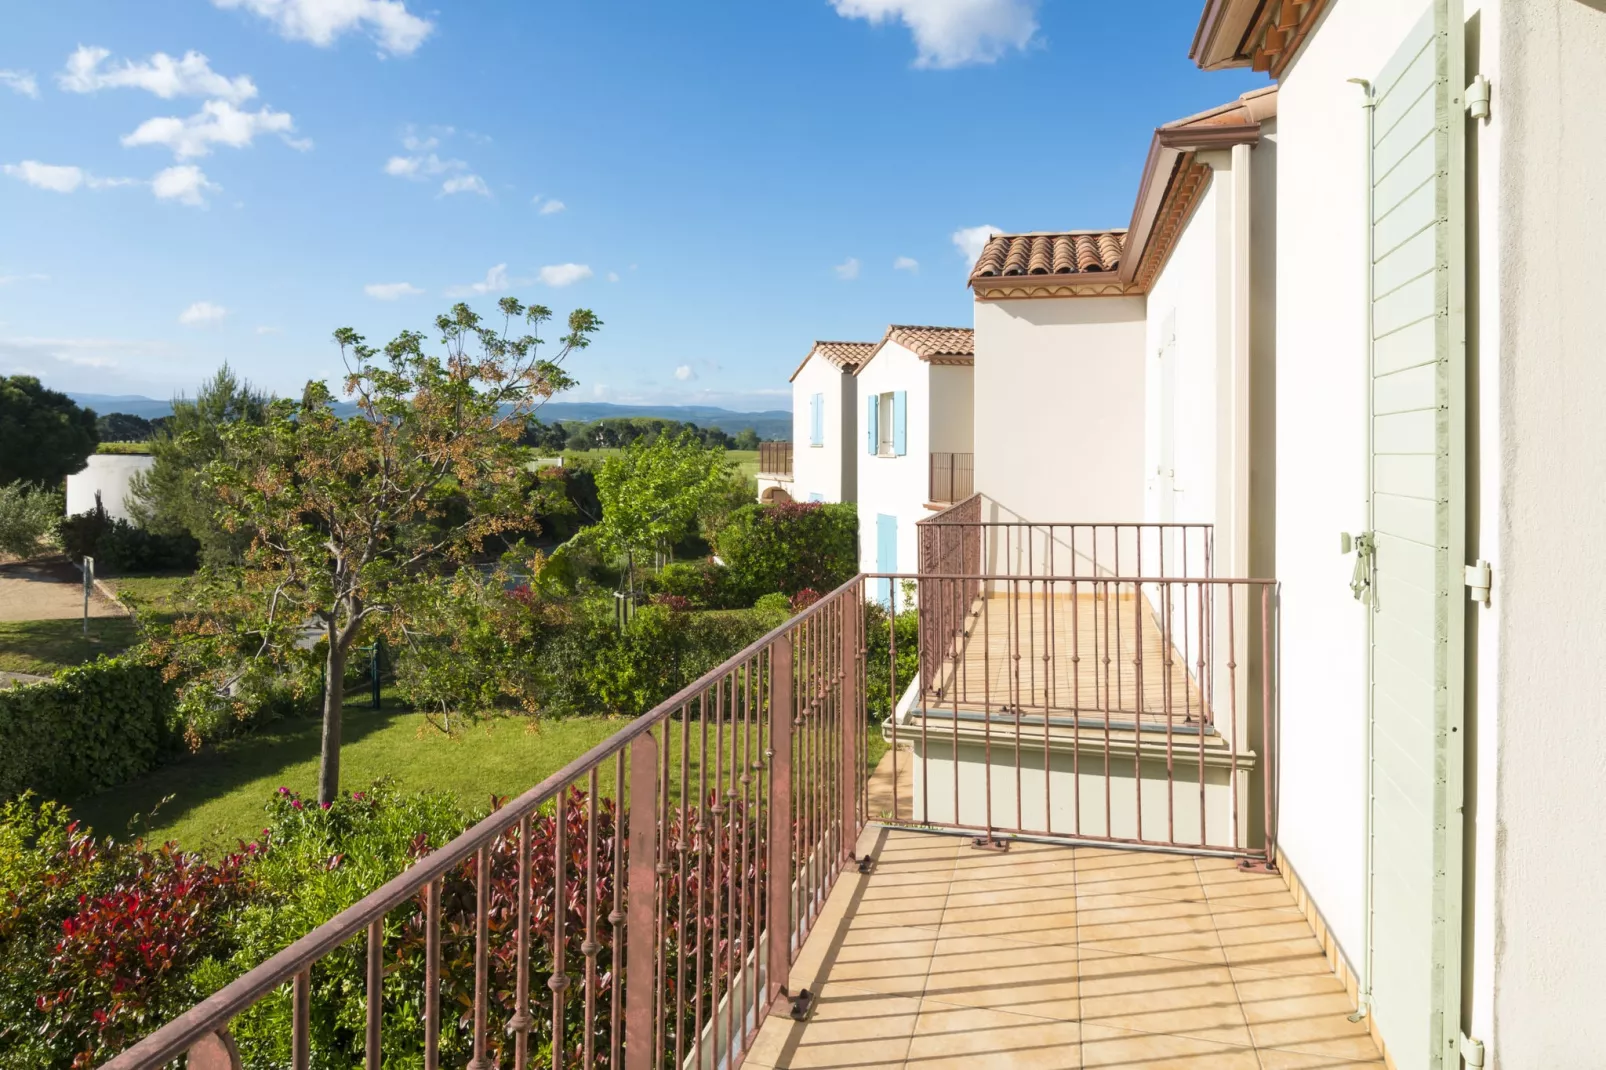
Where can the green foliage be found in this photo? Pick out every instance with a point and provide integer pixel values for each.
(125, 449)
(99, 937)
(880, 636)
(651, 495)
(44, 435)
(28, 518)
(118, 546)
(121, 427)
(618, 432)
(320, 860)
(788, 547)
(355, 520)
(90, 728)
(171, 498)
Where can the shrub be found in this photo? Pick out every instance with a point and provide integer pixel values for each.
(879, 638)
(699, 582)
(118, 546)
(28, 517)
(92, 727)
(789, 546)
(98, 937)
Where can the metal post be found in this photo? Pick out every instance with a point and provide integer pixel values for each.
(850, 715)
(778, 919)
(373, 670)
(641, 935)
(89, 583)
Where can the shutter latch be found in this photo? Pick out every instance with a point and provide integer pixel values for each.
(1360, 583)
(1479, 580)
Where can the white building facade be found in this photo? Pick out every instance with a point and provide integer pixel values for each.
(916, 393)
(825, 418)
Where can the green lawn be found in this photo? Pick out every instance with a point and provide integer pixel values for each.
(41, 647)
(218, 795)
(746, 461)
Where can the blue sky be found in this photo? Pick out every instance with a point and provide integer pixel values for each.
(721, 182)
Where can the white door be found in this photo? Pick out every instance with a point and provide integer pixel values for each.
(1416, 506)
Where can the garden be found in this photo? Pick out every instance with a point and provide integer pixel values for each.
(352, 632)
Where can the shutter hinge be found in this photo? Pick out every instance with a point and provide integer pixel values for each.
(1479, 579)
(1471, 1051)
(1478, 98)
(1360, 583)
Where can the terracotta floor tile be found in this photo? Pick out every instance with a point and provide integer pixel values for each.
(1159, 995)
(1026, 914)
(1135, 925)
(848, 1028)
(1102, 1046)
(1246, 928)
(1308, 1014)
(1157, 876)
(970, 1038)
(1273, 1059)
(1011, 975)
(891, 961)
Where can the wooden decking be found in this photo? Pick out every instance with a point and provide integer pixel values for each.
(1087, 656)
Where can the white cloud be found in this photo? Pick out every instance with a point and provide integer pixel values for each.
(413, 143)
(202, 314)
(564, 274)
(953, 33)
(191, 76)
(270, 330)
(20, 82)
(218, 122)
(7, 280)
(465, 184)
(613, 276)
(972, 240)
(421, 166)
(397, 30)
(552, 207)
(57, 179)
(391, 291)
(184, 183)
(684, 373)
(848, 269)
(496, 281)
(906, 263)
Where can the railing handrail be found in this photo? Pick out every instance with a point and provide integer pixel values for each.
(1073, 578)
(937, 518)
(216, 1011)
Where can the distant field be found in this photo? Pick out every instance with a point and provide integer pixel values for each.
(136, 448)
(746, 460)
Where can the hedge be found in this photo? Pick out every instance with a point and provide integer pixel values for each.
(92, 727)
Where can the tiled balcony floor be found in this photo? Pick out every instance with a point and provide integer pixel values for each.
(1048, 956)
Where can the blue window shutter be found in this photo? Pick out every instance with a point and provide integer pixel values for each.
(900, 423)
(817, 419)
(872, 411)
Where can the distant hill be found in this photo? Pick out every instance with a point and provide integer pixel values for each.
(770, 424)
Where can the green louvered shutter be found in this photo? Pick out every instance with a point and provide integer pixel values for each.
(872, 410)
(900, 423)
(1416, 510)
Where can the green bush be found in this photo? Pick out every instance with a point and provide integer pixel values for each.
(881, 690)
(28, 517)
(92, 727)
(120, 547)
(788, 547)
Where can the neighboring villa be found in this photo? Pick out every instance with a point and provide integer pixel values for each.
(818, 465)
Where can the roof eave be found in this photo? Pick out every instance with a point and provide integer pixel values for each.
(1165, 149)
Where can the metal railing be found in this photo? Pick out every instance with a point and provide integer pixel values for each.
(775, 459)
(639, 908)
(1138, 710)
(952, 477)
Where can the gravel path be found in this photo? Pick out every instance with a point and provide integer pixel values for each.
(48, 590)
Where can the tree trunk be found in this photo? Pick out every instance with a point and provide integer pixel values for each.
(334, 687)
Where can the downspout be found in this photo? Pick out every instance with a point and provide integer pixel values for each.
(1363, 998)
(1241, 283)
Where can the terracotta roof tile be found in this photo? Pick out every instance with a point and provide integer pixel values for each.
(1086, 252)
(845, 355)
(930, 342)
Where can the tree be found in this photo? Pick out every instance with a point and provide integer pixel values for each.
(169, 498)
(44, 435)
(651, 495)
(122, 427)
(355, 521)
(28, 516)
(746, 439)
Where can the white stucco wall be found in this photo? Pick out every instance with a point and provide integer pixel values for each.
(825, 469)
(109, 474)
(897, 486)
(1188, 296)
(1550, 584)
(1060, 407)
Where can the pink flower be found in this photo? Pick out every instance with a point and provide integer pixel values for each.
(326, 805)
(296, 803)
